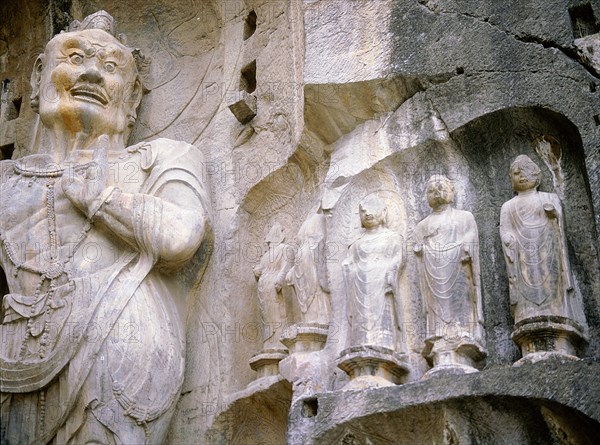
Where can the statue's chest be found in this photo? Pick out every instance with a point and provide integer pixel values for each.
(376, 248)
(23, 203)
(528, 211)
(440, 228)
(35, 213)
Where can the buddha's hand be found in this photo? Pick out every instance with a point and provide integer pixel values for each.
(509, 243)
(550, 211)
(466, 253)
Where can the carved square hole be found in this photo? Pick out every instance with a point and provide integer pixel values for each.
(250, 25)
(14, 109)
(248, 77)
(597, 119)
(460, 70)
(310, 407)
(592, 87)
(583, 20)
(6, 152)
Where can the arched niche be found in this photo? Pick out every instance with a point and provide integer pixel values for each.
(476, 157)
(489, 144)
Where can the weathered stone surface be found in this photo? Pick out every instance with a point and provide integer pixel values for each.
(355, 97)
(538, 404)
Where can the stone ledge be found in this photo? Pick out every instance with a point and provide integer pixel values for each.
(572, 385)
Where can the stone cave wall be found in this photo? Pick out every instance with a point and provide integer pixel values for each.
(354, 97)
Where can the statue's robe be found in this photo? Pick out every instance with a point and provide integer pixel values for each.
(101, 356)
(450, 287)
(306, 274)
(271, 272)
(371, 274)
(535, 252)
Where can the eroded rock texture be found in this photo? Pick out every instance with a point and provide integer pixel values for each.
(304, 108)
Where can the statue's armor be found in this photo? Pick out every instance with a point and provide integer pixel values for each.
(89, 328)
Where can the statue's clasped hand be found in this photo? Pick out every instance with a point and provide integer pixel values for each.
(90, 192)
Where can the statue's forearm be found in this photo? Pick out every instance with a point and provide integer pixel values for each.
(115, 215)
(180, 233)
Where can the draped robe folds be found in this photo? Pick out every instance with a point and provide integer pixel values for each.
(450, 288)
(536, 257)
(107, 346)
(271, 271)
(305, 275)
(371, 273)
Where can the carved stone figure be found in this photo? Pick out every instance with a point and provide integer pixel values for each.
(545, 306)
(91, 234)
(307, 277)
(447, 245)
(306, 274)
(270, 274)
(371, 273)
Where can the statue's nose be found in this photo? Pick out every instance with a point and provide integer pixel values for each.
(91, 74)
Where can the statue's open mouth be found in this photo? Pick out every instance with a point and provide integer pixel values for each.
(90, 94)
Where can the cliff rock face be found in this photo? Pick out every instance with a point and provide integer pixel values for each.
(304, 108)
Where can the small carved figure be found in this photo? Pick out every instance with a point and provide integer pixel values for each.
(371, 273)
(447, 245)
(270, 274)
(93, 342)
(542, 295)
(306, 275)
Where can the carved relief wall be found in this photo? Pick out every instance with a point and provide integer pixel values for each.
(323, 127)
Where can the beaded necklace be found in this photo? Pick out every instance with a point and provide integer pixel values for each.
(57, 267)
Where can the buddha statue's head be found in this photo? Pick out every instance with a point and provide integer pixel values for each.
(440, 191)
(524, 174)
(373, 212)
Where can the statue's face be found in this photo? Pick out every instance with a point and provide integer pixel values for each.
(524, 177)
(372, 213)
(439, 192)
(88, 83)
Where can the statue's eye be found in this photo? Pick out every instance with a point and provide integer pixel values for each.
(76, 58)
(110, 67)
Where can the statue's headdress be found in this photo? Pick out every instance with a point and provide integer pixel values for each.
(98, 20)
(106, 22)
